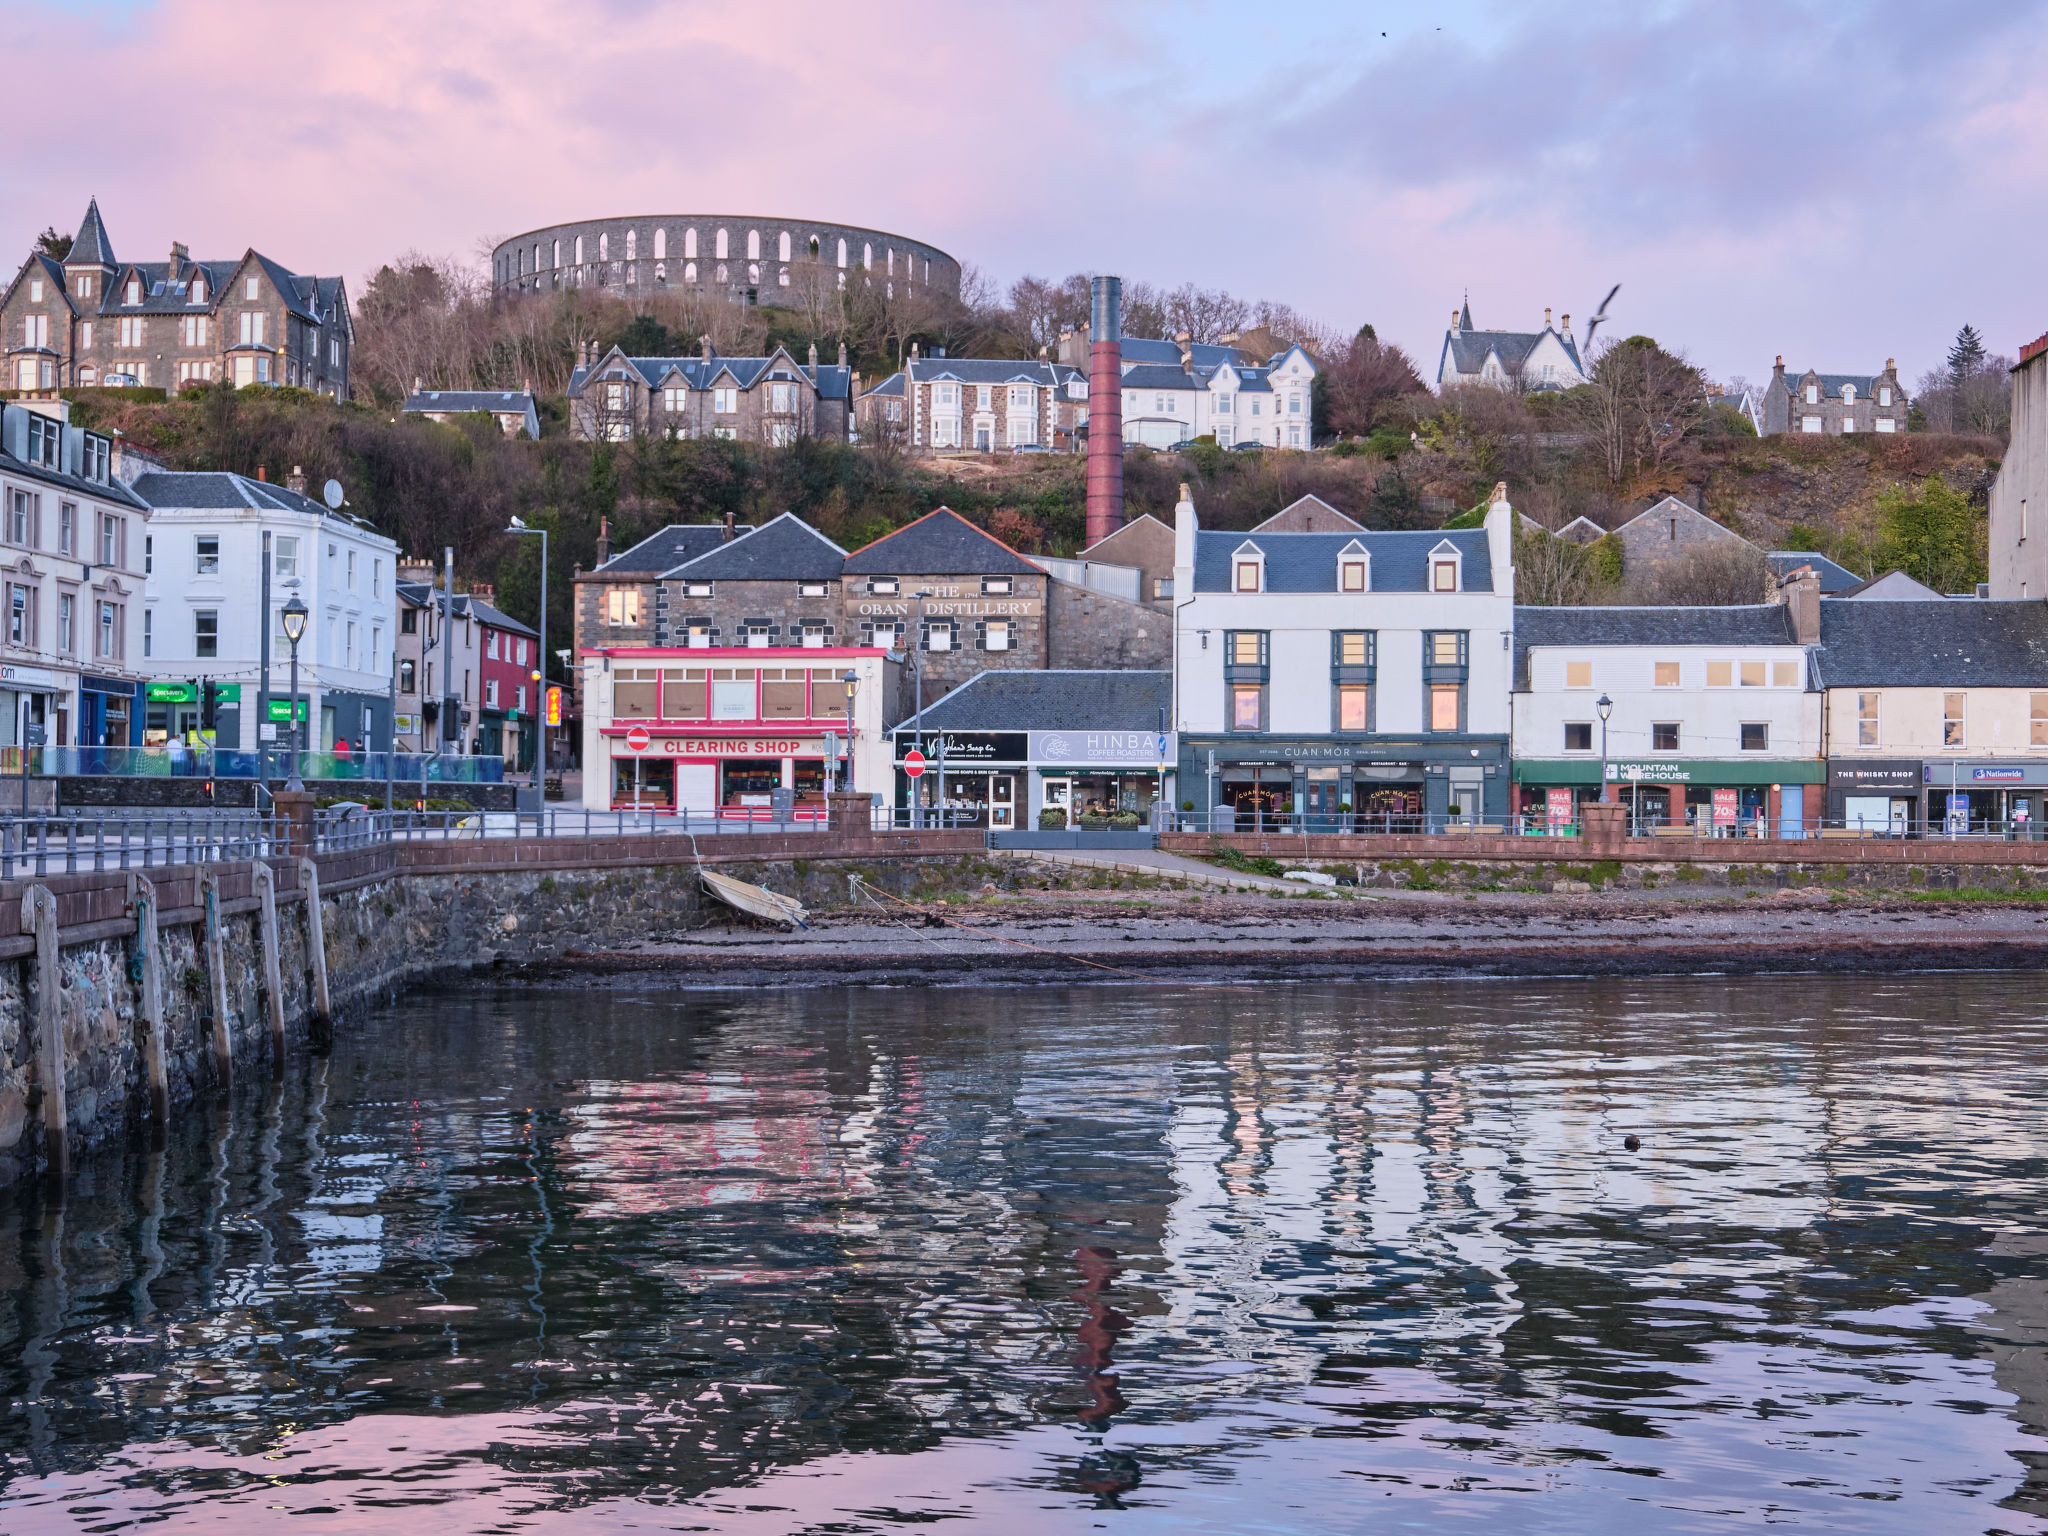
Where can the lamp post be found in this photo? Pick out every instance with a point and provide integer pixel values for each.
(294, 620)
(540, 672)
(917, 675)
(1606, 707)
(852, 681)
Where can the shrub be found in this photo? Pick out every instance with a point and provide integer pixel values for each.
(1052, 819)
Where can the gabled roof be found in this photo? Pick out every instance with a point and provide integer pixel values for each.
(1159, 376)
(469, 606)
(1891, 587)
(497, 400)
(1973, 644)
(167, 288)
(1745, 624)
(91, 243)
(941, 543)
(1140, 349)
(1833, 578)
(1017, 700)
(214, 489)
(1670, 505)
(784, 549)
(670, 547)
(891, 388)
(113, 490)
(1309, 514)
(1468, 348)
(1831, 383)
(1307, 562)
(833, 382)
(990, 370)
(1582, 530)
(1159, 527)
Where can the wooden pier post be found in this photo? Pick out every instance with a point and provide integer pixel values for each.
(266, 896)
(39, 916)
(217, 978)
(149, 984)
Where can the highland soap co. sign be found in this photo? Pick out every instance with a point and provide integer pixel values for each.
(1103, 749)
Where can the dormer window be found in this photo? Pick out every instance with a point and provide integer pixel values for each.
(1354, 572)
(1848, 394)
(1443, 575)
(1248, 568)
(997, 586)
(198, 290)
(1813, 394)
(134, 294)
(884, 586)
(1247, 575)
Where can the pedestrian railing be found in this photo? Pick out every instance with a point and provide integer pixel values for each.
(34, 846)
(349, 826)
(179, 762)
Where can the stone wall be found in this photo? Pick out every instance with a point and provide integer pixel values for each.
(1092, 631)
(389, 916)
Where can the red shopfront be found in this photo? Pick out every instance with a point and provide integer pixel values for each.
(725, 731)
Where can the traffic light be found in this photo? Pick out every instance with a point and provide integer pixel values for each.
(209, 704)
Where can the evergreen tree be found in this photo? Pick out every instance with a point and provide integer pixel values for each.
(52, 244)
(1966, 356)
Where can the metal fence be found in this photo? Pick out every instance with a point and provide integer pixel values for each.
(208, 763)
(356, 827)
(34, 846)
(1538, 823)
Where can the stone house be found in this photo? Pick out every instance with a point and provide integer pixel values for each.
(772, 399)
(1146, 544)
(93, 320)
(1669, 530)
(1834, 403)
(1524, 360)
(778, 586)
(1309, 514)
(514, 410)
(946, 404)
(622, 600)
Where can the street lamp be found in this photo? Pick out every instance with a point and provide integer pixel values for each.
(917, 674)
(294, 620)
(540, 672)
(1606, 707)
(852, 681)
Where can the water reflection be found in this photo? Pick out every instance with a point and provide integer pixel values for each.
(1320, 1258)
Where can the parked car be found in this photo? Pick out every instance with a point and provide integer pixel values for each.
(121, 381)
(1253, 447)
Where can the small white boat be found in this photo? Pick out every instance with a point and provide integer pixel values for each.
(755, 900)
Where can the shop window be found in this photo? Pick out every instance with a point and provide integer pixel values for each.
(1667, 674)
(1784, 674)
(1578, 736)
(640, 782)
(2037, 722)
(782, 694)
(1664, 737)
(1752, 674)
(1247, 709)
(1756, 736)
(828, 695)
(1443, 706)
(1866, 719)
(1577, 674)
(633, 693)
(1353, 709)
(1952, 720)
(1720, 674)
(733, 694)
(682, 693)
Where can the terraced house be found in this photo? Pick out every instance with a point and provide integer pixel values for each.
(773, 399)
(941, 404)
(92, 319)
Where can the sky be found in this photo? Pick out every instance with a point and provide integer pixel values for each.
(1836, 182)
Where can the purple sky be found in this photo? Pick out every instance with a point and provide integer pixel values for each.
(1837, 182)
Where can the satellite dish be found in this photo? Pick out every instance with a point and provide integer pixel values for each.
(331, 494)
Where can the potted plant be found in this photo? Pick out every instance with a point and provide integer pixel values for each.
(1052, 819)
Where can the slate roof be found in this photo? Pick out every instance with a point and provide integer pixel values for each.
(670, 547)
(833, 381)
(1831, 383)
(1050, 701)
(91, 242)
(1833, 578)
(991, 370)
(1307, 562)
(786, 549)
(485, 612)
(1963, 644)
(1747, 624)
(1310, 506)
(112, 490)
(1891, 587)
(506, 400)
(941, 543)
(218, 489)
(892, 387)
(1143, 349)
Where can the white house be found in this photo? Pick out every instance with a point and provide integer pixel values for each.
(1324, 675)
(71, 539)
(1524, 360)
(1174, 391)
(1712, 717)
(203, 618)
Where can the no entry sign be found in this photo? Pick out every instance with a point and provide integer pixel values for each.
(637, 738)
(913, 763)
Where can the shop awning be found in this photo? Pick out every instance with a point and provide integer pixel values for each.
(1678, 770)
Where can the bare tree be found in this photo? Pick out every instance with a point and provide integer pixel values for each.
(1636, 405)
(1555, 573)
(1363, 382)
(1722, 574)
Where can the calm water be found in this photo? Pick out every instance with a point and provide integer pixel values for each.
(1324, 1259)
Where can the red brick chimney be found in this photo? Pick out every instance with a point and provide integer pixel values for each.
(604, 540)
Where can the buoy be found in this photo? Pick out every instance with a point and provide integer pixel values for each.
(1632, 1142)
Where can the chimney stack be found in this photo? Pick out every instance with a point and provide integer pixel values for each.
(296, 480)
(1567, 327)
(814, 357)
(728, 527)
(1800, 592)
(1546, 317)
(262, 473)
(1105, 409)
(705, 343)
(842, 354)
(604, 540)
